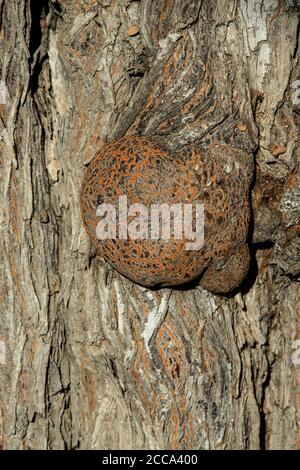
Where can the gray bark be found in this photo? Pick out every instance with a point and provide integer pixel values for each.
(82, 364)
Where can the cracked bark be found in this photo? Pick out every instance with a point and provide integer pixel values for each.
(82, 364)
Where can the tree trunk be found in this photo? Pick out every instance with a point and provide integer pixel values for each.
(88, 359)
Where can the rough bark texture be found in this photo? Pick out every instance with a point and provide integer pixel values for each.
(88, 359)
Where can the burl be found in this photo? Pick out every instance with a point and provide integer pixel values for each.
(145, 171)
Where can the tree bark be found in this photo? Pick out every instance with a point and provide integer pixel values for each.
(88, 359)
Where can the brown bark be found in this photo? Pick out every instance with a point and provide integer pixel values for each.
(88, 359)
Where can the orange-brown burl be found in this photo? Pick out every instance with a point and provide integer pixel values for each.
(145, 171)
